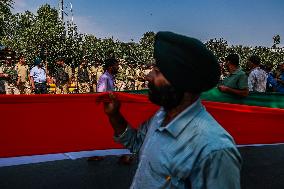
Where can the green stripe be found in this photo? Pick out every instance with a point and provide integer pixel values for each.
(143, 91)
(271, 100)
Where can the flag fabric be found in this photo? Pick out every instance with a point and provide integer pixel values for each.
(45, 124)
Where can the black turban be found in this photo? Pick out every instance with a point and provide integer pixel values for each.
(186, 62)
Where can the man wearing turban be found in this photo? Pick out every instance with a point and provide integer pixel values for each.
(38, 77)
(182, 145)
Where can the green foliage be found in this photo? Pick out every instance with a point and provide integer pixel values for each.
(5, 13)
(13, 75)
(147, 46)
(269, 56)
(44, 35)
(218, 46)
(97, 49)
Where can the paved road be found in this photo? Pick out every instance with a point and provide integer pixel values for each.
(263, 168)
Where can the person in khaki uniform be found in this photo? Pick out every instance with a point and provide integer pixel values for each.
(3, 79)
(22, 81)
(96, 71)
(99, 73)
(73, 86)
(140, 78)
(11, 81)
(120, 78)
(93, 82)
(146, 70)
(83, 77)
(51, 84)
(62, 76)
(131, 77)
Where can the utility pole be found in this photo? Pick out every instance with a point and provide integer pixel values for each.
(61, 10)
(71, 10)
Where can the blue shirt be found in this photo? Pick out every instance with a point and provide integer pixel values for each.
(105, 83)
(271, 81)
(280, 86)
(192, 151)
(38, 74)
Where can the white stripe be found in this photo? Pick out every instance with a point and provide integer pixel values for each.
(76, 155)
(30, 159)
(53, 157)
(258, 145)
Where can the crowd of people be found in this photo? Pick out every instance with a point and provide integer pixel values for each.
(258, 78)
(63, 79)
(191, 149)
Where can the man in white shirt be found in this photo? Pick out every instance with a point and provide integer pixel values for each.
(258, 77)
(38, 77)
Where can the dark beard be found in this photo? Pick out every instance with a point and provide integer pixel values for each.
(166, 96)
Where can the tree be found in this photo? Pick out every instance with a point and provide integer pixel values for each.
(43, 35)
(218, 46)
(5, 13)
(147, 46)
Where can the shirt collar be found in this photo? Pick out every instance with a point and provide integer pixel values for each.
(40, 68)
(256, 68)
(109, 75)
(176, 126)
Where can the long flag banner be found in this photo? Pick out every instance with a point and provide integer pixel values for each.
(45, 124)
(268, 99)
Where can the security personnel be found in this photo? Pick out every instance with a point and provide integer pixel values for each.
(9, 69)
(139, 81)
(38, 77)
(23, 81)
(83, 77)
(99, 71)
(62, 76)
(3, 78)
(73, 86)
(51, 84)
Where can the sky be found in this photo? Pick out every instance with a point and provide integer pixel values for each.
(240, 22)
